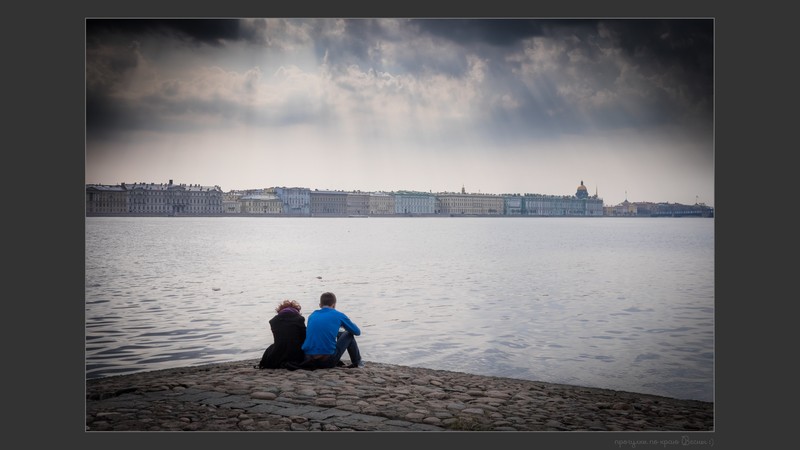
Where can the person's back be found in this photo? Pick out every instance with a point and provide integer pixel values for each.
(288, 334)
(323, 329)
(325, 343)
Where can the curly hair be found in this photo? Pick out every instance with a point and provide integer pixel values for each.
(288, 304)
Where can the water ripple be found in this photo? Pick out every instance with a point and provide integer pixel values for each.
(627, 305)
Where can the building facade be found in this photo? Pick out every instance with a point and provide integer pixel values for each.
(463, 204)
(357, 203)
(413, 203)
(296, 200)
(261, 204)
(106, 200)
(381, 204)
(169, 199)
(512, 205)
(155, 199)
(328, 203)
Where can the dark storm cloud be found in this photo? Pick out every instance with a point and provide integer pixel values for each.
(668, 41)
(669, 64)
(682, 48)
(498, 32)
(105, 116)
(667, 78)
(111, 53)
(587, 73)
(200, 31)
(361, 46)
(679, 50)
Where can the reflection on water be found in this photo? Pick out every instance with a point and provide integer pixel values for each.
(618, 303)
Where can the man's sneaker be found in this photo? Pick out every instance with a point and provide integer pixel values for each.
(357, 365)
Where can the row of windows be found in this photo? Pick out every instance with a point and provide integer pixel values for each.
(153, 208)
(173, 194)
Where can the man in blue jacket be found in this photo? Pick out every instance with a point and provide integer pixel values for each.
(325, 341)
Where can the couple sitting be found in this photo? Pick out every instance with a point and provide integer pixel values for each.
(320, 345)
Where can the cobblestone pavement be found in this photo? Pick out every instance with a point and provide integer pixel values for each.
(379, 397)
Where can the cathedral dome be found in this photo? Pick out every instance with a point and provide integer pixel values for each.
(582, 192)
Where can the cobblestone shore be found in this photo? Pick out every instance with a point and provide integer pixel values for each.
(379, 397)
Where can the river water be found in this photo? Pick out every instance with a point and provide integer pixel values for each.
(617, 303)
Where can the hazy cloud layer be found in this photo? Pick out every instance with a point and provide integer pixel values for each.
(416, 86)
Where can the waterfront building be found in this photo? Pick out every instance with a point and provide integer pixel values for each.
(588, 205)
(381, 204)
(106, 200)
(560, 205)
(261, 204)
(231, 203)
(413, 203)
(169, 199)
(328, 203)
(174, 199)
(625, 208)
(649, 209)
(580, 204)
(157, 199)
(296, 200)
(463, 204)
(357, 203)
(512, 205)
(545, 205)
(593, 207)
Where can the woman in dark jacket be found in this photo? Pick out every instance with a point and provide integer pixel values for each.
(288, 333)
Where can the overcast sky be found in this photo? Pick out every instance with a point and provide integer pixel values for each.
(495, 105)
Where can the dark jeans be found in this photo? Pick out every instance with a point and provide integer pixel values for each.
(345, 340)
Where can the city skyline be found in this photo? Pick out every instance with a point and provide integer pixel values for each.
(322, 189)
(495, 105)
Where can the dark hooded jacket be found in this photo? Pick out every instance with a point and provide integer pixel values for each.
(288, 333)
